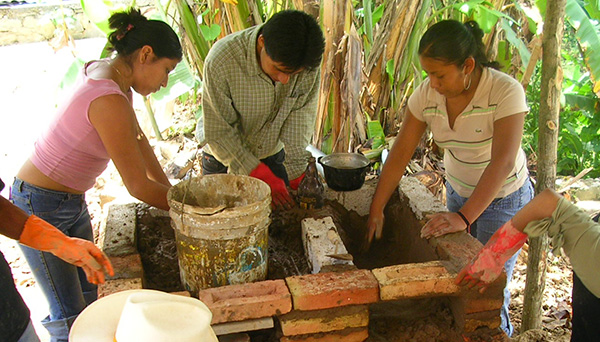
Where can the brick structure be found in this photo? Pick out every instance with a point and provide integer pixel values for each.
(326, 306)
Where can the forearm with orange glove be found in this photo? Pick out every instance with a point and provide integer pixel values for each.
(36, 233)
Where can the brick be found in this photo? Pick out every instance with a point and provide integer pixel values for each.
(310, 322)
(329, 290)
(248, 325)
(489, 319)
(247, 301)
(346, 335)
(127, 266)
(429, 279)
(118, 285)
(118, 230)
(238, 337)
(320, 239)
(458, 248)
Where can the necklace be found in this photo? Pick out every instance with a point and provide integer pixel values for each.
(140, 134)
(121, 77)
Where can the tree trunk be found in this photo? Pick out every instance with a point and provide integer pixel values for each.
(548, 140)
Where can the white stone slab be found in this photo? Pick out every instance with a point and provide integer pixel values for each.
(321, 238)
(248, 325)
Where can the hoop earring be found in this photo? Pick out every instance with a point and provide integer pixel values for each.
(465, 84)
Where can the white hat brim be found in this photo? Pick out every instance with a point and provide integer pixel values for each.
(98, 322)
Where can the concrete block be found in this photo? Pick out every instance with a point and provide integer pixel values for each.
(429, 279)
(127, 266)
(357, 200)
(249, 325)
(247, 301)
(118, 285)
(310, 322)
(118, 230)
(421, 200)
(346, 335)
(329, 290)
(321, 238)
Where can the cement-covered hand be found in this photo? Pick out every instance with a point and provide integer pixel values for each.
(41, 235)
(279, 193)
(441, 224)
(374, 229)
(489, 262)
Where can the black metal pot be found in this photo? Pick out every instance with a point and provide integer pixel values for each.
(345, 171)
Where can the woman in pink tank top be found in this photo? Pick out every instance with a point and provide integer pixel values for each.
(95, 125)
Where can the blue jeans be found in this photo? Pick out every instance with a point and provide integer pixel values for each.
(65, 286)
(500, 211)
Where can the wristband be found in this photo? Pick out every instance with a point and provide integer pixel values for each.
(466, 221)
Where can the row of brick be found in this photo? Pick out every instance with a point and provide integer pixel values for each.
(329, 306)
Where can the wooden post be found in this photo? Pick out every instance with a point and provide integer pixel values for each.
(548, 141)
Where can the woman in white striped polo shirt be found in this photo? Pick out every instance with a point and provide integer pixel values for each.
(476, 114)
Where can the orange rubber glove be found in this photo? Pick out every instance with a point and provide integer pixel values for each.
(43, 236)
(279, 193)
(489, 262)
(295, 183)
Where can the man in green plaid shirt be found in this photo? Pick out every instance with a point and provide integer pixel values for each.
(261, 87)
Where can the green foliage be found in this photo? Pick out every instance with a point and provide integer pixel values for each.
(578, 144)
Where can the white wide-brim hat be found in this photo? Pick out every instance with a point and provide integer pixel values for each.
(143, 315)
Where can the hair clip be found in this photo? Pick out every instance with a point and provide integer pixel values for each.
(127, 29)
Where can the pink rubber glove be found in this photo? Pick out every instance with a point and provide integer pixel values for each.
(489, 262)
(279, 193)
(295, 183)
(43, 236)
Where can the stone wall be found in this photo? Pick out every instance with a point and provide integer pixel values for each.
(38, 22)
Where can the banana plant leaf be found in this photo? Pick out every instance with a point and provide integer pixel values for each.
(587, 34)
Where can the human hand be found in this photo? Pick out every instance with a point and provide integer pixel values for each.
(85, 254)
(464, 278)
(43, 236)
(374, 229)
(279, 193)
(295, 183)
(441, 224)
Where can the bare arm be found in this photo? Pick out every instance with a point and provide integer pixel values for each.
(505, 146)
(540, 207)
(12, 219)
(393, 170)
(115, 122)
(153, 168)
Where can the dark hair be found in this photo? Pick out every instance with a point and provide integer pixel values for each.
(133, 31)
(454, 42)
(294, 39)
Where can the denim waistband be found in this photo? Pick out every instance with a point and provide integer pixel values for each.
(21, 185)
